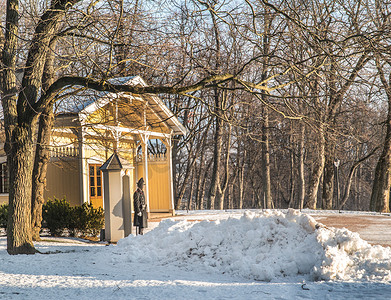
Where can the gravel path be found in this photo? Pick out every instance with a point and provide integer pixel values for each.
(375, 229)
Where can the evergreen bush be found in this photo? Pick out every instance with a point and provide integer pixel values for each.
(78, 220)
(56, 215)
(84, 220)
(3, 216)
(96, 219)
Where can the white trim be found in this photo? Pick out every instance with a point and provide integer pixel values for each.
(130, 130)
(144, 145)
(158, 117)
(83, 171)
(168, 143)
(99, 103)
(170, 115)
(95, 160)
(137, 80)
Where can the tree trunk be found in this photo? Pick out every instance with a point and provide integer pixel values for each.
(347, 187)
(292, 169)
(199, 201)
(301, 167)
(351, 175)
(241, 186)
(313, 184)
(230, 192)
(21, 115)
(179, 194)
(20, 161)
(240, 175)
(381, 186)
(335, 101)
(223, 188)
(202, 194)
(18, 145)
(266, 185)
(122, 51)
(182, 191)
(218, 141)
(174, 171)
(358, 189)
(42, 153)
(218, 102)
(265, 147)
(198, 186)
(190, 200)
(380, 196)
(258, 198)
(42, 157)
(328, 175)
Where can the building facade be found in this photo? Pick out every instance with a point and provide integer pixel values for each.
(90, 126)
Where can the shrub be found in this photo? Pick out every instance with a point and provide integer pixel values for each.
(3, 215)
(96, 220)
(56, 214)
(78, 220)
(86, 220)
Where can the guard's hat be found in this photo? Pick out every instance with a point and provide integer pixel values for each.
(140, 182)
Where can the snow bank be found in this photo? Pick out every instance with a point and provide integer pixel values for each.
(262, 246)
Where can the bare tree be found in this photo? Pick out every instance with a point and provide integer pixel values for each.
(22, 106)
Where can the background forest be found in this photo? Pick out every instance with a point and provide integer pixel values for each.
(305, 123)
(315, 137)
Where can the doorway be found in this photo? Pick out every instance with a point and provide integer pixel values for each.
(96, 195)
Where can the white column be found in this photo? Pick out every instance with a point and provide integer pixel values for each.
(114, 218)
(83, 172)
(171, 174)
(168, 143)
(126, 204)
(145, 138)
(135, 163)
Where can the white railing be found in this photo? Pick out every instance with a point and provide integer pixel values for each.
(66, 151)
(152, 157)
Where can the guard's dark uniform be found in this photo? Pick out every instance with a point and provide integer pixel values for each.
(140, 206)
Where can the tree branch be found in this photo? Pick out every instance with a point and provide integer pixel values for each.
(105, 86)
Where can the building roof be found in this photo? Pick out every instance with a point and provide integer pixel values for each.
(77, 98)
(84, 102)
(115, 162)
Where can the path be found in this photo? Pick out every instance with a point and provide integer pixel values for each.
(375, 229)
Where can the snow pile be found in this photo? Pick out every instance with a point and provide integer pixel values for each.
(347, 257)
(261, 246)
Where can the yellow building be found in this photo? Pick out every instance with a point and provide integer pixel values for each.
(90, 126)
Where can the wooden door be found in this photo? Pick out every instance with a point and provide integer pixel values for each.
(96, 194)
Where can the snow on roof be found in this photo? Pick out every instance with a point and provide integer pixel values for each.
(82, 101)
(77, 98)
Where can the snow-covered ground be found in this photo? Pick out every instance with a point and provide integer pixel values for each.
(238, 255)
